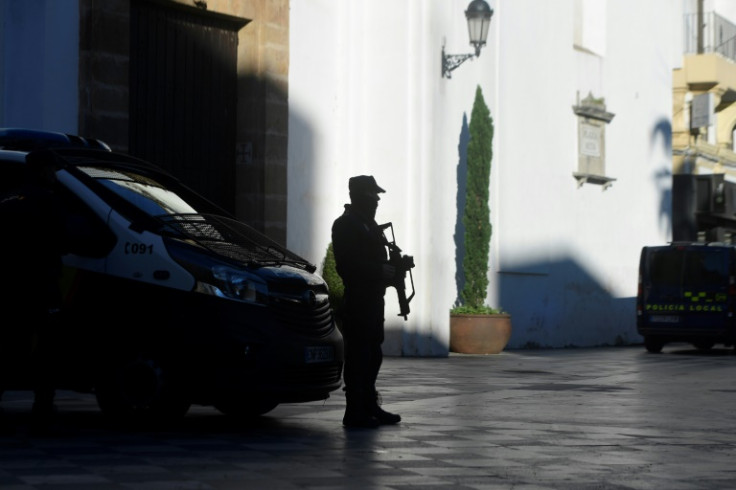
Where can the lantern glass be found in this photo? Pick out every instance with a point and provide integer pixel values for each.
(479, 15)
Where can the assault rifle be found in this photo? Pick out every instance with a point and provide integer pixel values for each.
(403, 264)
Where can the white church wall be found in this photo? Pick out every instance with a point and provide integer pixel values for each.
(366, 97)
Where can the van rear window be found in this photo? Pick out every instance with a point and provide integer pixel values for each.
(693, 267)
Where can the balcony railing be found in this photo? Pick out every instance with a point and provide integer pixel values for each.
(718, 35)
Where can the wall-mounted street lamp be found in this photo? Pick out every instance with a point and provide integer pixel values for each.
(479, 15)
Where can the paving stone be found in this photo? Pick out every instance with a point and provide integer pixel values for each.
(607, 418)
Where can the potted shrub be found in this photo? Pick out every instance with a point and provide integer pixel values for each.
(475, 327)
(335, 285)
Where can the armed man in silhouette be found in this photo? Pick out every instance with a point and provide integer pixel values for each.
(33, 242)
(361, 260)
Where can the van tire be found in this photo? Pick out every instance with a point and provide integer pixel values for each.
(242, 408)
(140, 389)
(704, 345)
(653, 344)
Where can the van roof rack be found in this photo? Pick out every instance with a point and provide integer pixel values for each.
(19, 139)
(701, 244)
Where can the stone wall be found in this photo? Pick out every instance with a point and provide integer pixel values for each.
(262, 120)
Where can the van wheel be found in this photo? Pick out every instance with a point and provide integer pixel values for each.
(653, 344)
(139, 389)
(243, 408)
(704, 345)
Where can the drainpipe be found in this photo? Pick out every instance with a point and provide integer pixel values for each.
(700, 27)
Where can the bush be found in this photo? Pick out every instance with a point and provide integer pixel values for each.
(334, 283)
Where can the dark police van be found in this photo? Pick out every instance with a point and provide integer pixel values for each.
(687, 293)
(168, 300)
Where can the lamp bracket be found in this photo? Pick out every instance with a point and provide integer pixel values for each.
(452, 61)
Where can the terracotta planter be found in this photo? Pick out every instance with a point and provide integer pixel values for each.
(479, 334)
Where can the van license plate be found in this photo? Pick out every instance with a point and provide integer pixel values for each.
(665, 318)
(321, 353)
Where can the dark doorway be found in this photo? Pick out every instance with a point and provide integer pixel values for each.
(183, 76)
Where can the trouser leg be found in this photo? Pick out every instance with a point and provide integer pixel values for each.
(358, 375)
(375, 354)
(372, 401)
(362, 363)
(43, 369)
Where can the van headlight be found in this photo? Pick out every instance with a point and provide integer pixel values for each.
(230, 283)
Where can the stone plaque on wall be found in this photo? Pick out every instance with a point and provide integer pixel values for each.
(592, 121)
(591, 140)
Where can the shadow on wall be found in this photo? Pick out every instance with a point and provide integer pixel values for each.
(663, 177)
(396, 343)
(559, 304)
(462, 184)
(302, 173)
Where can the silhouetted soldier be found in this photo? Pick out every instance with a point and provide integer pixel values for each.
(361, 260)
(33, 242)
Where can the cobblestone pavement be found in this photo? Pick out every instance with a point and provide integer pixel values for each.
(607, 418)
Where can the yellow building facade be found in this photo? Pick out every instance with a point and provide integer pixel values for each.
(704, 92)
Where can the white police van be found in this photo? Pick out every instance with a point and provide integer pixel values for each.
(168, 300)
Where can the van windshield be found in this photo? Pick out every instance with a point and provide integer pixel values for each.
(143, 192)
(185, 214)
(689, 268)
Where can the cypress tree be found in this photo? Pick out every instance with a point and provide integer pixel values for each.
(476, 216)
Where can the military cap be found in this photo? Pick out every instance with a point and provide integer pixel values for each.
(364, 184)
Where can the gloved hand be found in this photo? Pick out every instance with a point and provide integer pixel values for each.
(388, 272)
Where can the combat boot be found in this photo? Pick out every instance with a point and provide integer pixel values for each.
(383, 417)
(6, 429)
(356, 413)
